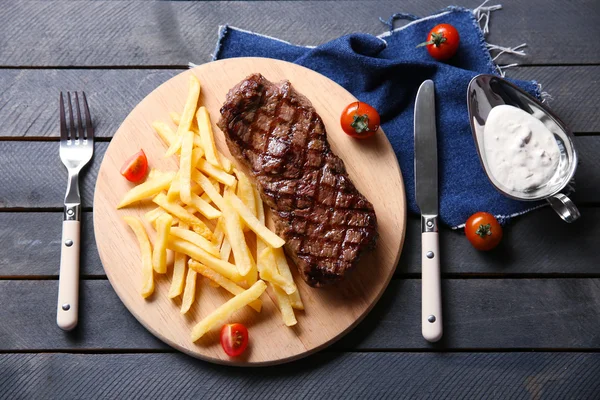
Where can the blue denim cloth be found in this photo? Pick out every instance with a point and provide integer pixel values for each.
(386, 72)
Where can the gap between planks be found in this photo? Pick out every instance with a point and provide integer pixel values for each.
(406, 276)
(329, 350)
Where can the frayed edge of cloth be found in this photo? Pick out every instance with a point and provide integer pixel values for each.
(481, 19)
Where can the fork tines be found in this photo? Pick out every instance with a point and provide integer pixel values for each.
(73, 132)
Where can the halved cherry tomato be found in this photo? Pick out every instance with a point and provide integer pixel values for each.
(234, 339)
(442, 42)
(360, 120)
(483, 231)
(136, 167)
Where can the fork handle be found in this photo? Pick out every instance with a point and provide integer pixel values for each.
(68, 282)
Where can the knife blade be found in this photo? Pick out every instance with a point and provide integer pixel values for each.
(426, 194)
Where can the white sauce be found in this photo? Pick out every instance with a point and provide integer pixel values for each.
(521, 152)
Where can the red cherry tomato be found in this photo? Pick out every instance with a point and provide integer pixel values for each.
(136, 167)
(360, 120)
(483, 231)
(234, 339)
(442, 42)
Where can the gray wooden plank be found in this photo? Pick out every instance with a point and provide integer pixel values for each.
(574, 92)
(487, 314)
(326, 375)
(31, 310)
(538, 243)
(165, 33)
(34, 177)
(478, 314)
(31, 245)
(28, 98)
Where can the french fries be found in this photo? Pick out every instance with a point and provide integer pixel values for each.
(159, 256)
(165, 132)
(147, 189)
(183, 215)
(260, 208)
(220, 280)
(206, 134)
(235, 235)
(227, 309)
(185, 123)
(167, 135)
(223, 160)
(152, 215)
(253, 223)
(178, 275)
(146, 251)
(179, 268)
(208, 188)
(174, 190)
(219, 234)
(225, 251)
(206, 212)
(189, 292)
(245, 191)
(285, 305)
(185, 167)
(268, 271)
(204, 207)
(196, 253)
(216, 173)
(284, 270)
(195, 239)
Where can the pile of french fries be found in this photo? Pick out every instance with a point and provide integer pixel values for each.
(206, 213)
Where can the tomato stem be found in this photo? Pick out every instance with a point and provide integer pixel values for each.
(484, 230)
(360, 123)
(436, 39)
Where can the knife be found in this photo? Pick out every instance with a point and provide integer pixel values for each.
(426, 193)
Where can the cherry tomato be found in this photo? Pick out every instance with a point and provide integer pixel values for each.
(360, 120)
(136, 167)
(442, 42)
(234, 339)
(483, 231)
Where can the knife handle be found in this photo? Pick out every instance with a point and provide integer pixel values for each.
(431, 306)
(68, 281)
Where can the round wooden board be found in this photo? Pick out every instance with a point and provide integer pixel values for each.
(330, 312)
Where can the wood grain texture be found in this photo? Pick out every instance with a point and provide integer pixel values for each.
(174, 33)
(478, 313)
(43, 182)
(326, 375)
(32, 249)
(33, 175)
(31, 245)
(29, 98)
(330, 312)
(29, 107)
(573, 90)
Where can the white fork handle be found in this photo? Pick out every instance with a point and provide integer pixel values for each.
(431, 306)
(68, 281)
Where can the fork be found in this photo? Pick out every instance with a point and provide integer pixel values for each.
(76, 150)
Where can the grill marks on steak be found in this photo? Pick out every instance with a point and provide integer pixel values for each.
(278, 135)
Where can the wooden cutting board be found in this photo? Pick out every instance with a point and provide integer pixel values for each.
(330, 312)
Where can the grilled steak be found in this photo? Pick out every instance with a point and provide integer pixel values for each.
(277, 134)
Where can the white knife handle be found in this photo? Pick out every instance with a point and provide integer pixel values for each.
(431, 309)
(68, 281)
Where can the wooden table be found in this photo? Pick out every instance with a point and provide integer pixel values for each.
(520, 322)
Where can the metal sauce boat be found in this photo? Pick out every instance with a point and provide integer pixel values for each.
(488, 91)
